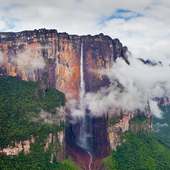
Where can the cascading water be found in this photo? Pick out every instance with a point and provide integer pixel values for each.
(90, 160)
(82, 84)
(83, 141)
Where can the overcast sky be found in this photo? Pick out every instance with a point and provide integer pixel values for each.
(143, 25)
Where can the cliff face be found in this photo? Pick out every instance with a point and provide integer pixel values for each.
(134, 122)
(100, 52)
(22, 146)
(57, 152)
(61, 53)
(117, 129)
(55, 62)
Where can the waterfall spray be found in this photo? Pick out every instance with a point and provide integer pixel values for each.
(82, 84)
(83, 127)
(83, 137)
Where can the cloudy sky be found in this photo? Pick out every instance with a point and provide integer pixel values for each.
(143, 25)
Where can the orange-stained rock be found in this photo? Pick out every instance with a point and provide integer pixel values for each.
(115, 131)
(61, 54)
(22, 146)
(53, 59)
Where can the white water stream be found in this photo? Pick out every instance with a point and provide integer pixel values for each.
(90, 161)
(83, 138)
(83, 126)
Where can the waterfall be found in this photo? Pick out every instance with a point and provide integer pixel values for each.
(83, 137)
(82, 84)
(91, 160)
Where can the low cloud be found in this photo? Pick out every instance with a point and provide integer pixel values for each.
(29, 61)
(131, 87)
(141, 83)
(155, 109)
(76, 109)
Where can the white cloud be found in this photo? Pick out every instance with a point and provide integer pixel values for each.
(29, 60)
(155, 109)
(146, 36)
(3, 25)
(141, 83)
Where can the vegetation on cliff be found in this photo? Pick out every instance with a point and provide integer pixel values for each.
(162, 126)
(36, 160)
(20, 106)
(139, 152)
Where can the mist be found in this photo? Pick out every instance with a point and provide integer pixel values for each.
(131, 88)
(29, 60)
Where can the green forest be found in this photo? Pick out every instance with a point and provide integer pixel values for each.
(139, 152)
(20, 105)
(162, 126)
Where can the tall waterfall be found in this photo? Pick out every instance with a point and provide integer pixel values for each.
(82, 84)
(83, 137)
(83, 141)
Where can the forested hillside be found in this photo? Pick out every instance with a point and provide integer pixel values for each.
(139, 152)
(21, 103)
